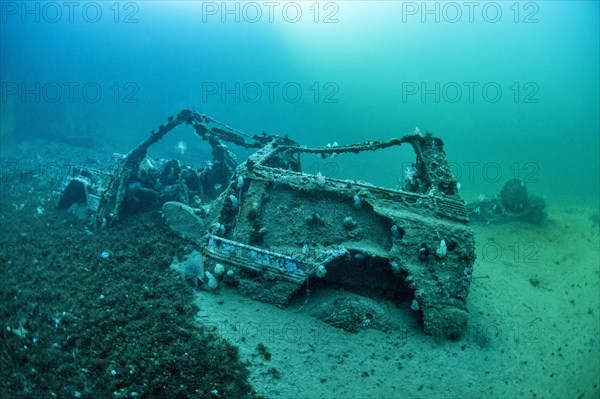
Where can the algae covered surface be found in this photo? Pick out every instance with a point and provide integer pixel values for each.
(79, 323)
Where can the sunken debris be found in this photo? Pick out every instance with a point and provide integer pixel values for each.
(272, 228)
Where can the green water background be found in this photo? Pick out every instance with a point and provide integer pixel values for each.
(353, 62)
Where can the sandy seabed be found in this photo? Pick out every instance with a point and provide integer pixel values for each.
(533, 329)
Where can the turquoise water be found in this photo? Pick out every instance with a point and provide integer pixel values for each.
(511, 88)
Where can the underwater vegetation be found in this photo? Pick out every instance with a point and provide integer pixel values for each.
(99, 315)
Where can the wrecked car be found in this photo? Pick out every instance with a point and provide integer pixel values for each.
(276, 228)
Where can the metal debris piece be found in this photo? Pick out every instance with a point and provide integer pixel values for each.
(513, 203)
